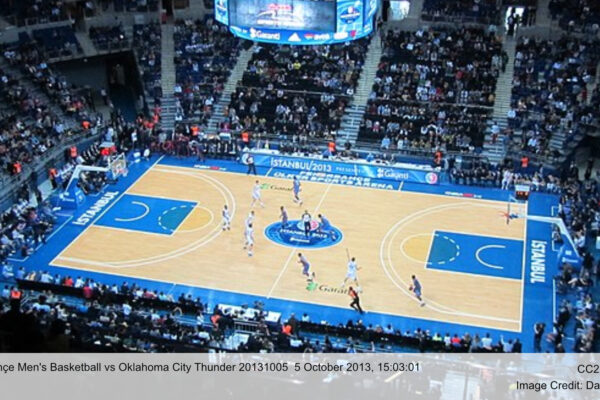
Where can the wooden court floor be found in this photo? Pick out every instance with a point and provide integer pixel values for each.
(389, 232)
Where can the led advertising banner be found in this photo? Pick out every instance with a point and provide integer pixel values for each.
(318, 16)
(362, 170)
(297, 21)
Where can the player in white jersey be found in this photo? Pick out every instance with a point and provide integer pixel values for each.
(249, 218)
(226, 218)
(249, 234)
(352, 273)
(256, 197)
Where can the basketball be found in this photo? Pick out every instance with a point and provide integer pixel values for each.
(410, 288)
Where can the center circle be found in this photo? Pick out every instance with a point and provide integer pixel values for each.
(293, 234)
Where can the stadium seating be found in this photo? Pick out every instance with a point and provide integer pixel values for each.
(31, 12)
(297, 92)
(146, 43)
(434, 88)
(576, 15)
(481, 11)
(205, 53)
(549, 92)
(108, 37)
(128, 317)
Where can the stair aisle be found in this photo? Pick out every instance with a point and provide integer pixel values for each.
(496, 150)
(236, 75)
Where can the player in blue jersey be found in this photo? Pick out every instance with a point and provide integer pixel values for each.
(417, 289)
(305, 267)
(325, 227)
(297, 189)
(284, 217)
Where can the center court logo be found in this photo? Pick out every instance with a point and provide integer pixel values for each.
(293, 235)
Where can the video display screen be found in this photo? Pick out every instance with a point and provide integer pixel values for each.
(306, 15)
(370, 8)
(222, 11)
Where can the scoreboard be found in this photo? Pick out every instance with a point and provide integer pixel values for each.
(297, 21)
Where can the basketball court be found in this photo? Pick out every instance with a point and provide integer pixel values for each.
(162, 223)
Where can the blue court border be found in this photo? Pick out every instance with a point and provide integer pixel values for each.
(535, 296)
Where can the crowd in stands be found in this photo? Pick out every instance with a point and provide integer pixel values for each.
(299, 91)
(24, 226)
(480, 11)
(31, 59)
(576, 15)
(131, 5)
(147, 46)
(329, 69)
(205, 54)
(285, 114)
(53, 42)
(28, 127)
(29, 12)
(434, 88)
(108, 37)
(549, 90)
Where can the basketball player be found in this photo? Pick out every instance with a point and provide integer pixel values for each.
(417, 289)
(226, 218)
(296, 189)
(284, 217)
(305, 267)
(351, 274)
(249, 233)
(249, 218)
(256, 197)
(325, 227)
(306, 218)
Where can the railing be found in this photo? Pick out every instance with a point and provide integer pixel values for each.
(429, 103)
(111, 47)
(241, 325)
(295, 91)
(32, 21)
(416, 152)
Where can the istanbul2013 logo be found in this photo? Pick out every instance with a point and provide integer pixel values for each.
(294, 235)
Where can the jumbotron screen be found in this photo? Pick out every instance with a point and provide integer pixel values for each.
(297, 21)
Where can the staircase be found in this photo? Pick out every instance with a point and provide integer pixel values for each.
(496, 152)
(167, 65)
(89, 50)
(236, 75)
(355, 111)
